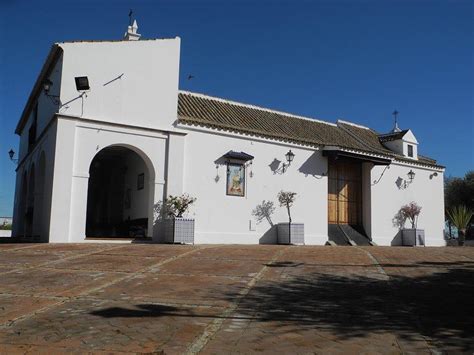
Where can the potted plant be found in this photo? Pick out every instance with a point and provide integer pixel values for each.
(411, 236)
(460, 216)
(289, 233)
(174, 227)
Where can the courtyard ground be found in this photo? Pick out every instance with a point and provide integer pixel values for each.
(112, 298)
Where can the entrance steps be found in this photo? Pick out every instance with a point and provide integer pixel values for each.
(345, 234)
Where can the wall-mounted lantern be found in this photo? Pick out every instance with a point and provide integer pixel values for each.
(411, 175)
(46, 88)
(289, 158)
(11, 154)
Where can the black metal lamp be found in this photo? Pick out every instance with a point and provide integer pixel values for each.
(46, 88)
(11, 154)
(411, 175)
(289, 156)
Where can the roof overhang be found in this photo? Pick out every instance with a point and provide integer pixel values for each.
(336, 153)
(238, 156)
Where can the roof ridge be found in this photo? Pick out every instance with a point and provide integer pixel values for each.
(237, 103)
(353, 124)
(116, 40)
(393, 133)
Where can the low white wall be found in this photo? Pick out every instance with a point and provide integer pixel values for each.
(390, 193)
(5, 233)
(228, 219)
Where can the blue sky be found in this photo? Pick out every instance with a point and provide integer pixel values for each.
(356, 60)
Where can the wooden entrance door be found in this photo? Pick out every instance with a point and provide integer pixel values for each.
(344, 192)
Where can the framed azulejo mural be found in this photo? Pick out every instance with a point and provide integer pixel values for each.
(235, 179)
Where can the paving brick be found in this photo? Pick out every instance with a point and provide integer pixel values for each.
(107, 262)
(87, 325)
(107, 298)
(51, 282)
(187, 289)
(14, 306)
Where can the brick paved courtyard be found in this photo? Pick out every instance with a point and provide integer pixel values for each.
(110, 298)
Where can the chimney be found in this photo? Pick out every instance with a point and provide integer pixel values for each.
(131, 34)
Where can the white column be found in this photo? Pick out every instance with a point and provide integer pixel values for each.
(175, 164)
(62, 182)
(79, 189)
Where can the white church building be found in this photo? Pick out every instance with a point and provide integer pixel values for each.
(106, 135)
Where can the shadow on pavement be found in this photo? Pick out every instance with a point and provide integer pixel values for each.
(438, 305)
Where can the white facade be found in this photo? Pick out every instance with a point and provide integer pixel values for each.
(127, 121)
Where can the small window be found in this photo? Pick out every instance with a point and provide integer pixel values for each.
(410, 150)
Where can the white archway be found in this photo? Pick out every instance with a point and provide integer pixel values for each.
(120, 193)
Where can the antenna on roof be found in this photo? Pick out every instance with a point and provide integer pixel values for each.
(395, 125)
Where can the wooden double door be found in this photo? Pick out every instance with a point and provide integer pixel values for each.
(344, 191)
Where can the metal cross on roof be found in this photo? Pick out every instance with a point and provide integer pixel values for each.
(395, 125)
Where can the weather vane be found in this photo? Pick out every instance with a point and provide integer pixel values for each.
(130, 17)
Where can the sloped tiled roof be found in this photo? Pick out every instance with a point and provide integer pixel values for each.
(392, 136)
(370, 138)
(216, 113)
(211, 112)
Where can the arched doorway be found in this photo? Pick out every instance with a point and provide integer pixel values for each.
(119, 194)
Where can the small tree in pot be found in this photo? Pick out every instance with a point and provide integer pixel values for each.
(410, 236)
(411, 213)
(460, 216)
(175, 227)
(286, 199)
(176, 206)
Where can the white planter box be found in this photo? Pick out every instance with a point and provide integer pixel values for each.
(178, 230)
(296, 236)
(413, 237)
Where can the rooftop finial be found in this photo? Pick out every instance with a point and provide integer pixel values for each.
(395, 126)
(131, 34)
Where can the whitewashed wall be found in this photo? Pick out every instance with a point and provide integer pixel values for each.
(226, 219)
(41, 219)
(387, 197)
(131, 82)
(139, 199)
(47, 107)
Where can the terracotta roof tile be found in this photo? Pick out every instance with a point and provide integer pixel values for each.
(215, 113)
